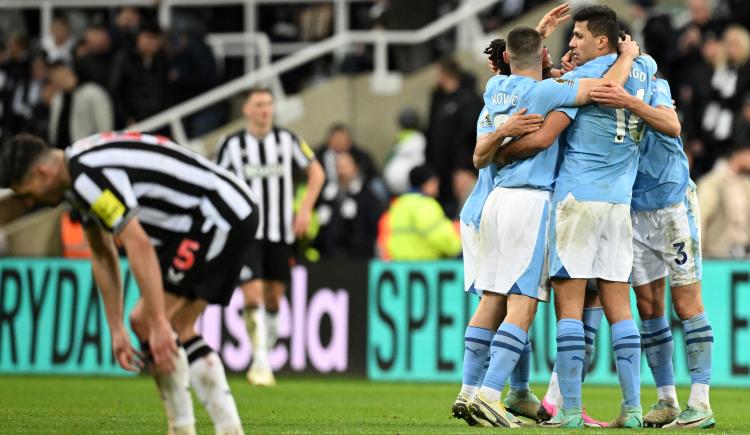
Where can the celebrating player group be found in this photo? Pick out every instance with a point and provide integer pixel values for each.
(583, 187)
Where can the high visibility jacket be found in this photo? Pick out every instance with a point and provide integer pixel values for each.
(419, 230)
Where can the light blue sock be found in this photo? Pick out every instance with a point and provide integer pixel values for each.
(659, 348)
(699, 339)
(626, 342)
(592, 317)
(507, 348)
(476, 351)
(569, 362)
(519, 377)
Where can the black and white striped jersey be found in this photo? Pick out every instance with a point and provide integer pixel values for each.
(173, 191)
(266, 165)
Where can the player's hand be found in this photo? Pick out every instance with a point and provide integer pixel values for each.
(161, 341)
(552, 19)
(125, 354)
(611, 95)
(302, 221)
(520, 123)
(567, 62)
(547, 60)
(492, 66)
(628, 47)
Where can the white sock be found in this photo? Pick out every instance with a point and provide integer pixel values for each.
(490, 395)
(668, 393)
(469, 391)
(553, 395)
(255, 320)
(174, 389)
(210, 384)
(699, 397)
(272, 328)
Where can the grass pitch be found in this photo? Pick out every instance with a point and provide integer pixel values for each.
(80, 405)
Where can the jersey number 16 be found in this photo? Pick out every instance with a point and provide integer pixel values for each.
(629, 125)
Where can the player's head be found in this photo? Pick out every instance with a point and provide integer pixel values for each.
(423, 178)
(494, 53)
(29, 167)
(258, 108)
(595, 33)
(524, 49)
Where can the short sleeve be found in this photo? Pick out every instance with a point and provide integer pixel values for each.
(555, 93)
(302, 154)
(571, 112)
(106, 195)
(661, 95)
(648, 64)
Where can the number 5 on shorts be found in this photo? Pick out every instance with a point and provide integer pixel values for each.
(185, 258)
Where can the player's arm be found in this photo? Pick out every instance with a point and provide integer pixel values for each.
(145, 266)
(618, 73)
(516, 125)
(526, 146)
(662, 118)
(315, 178)
(106, 267)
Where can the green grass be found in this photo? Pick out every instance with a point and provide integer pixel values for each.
(78, 405)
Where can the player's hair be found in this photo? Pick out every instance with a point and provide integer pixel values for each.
(257, 90)
(494, 53)
(524, 47)
(601, 21)
(17, 156)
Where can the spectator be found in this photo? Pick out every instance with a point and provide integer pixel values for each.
(14, 71)
(60, 43)
(654, 31)
(348, 213)
(78, 109)
(418, 227)
(94, 56)
(126, 28)
(31, 99)
(407, 154)
(451, 134)
(194, 72)
(340, 140)
(724, 197)
(140, 84)
(727, 87)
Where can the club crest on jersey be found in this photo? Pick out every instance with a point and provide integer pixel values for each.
(564, 81)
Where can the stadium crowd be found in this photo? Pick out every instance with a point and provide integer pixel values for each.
(74, 84)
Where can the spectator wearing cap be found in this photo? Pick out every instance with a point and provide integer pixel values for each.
(407, 153)
(77, 109)
(140, 83)
(418, 228)
(724, 198)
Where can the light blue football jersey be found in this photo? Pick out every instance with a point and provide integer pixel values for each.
(471, 213)
(663, 172)
(600, 161)
(503, 97)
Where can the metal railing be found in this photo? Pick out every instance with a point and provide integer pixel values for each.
(382, 79)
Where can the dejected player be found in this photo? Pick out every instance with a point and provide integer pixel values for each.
(185, 224)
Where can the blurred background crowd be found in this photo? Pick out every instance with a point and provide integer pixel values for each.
(108, 68)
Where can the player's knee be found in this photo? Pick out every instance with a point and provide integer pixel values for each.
(650, 307)
(687, 301)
